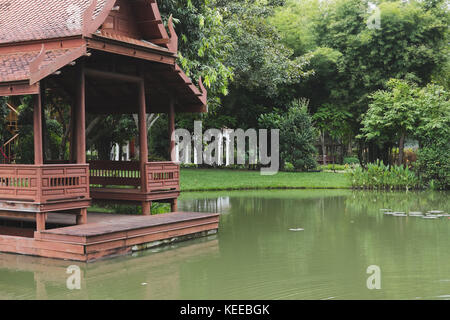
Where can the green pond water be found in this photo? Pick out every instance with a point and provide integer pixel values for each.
(256, 255)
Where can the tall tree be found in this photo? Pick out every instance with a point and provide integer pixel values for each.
(203, 46)
(353, 58)
(263, 67)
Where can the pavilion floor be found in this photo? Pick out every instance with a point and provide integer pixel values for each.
(104, 235)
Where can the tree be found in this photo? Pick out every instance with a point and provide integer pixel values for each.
(433, 133)
(251, 70)
(351, 61)
(110, 130)
(263, 68)
(392, 115)
(406, 110)
(297, 135)
(333, 121)
(203, 46)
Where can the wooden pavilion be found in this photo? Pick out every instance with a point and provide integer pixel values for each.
(107, 56)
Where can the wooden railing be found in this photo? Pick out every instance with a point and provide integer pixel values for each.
(161, 176)
(44, 183)
(115, 173)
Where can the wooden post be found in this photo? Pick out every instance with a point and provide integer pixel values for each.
(82, 217)
(172, 130)
(146, 208)
(80, 117)
(37, 127)
(40, 221)
(79, 130)
(143, 146)
(174, 205)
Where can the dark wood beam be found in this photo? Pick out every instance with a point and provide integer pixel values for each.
(135, 51)
(112, 76)
(18, 89)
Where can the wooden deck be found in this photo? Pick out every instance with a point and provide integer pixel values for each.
(104, 235)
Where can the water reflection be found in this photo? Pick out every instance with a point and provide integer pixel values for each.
(344, 233)
(145, 275)
(256, 256)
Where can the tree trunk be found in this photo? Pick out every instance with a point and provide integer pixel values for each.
(401, 147)
(349, 146)
(359, 152)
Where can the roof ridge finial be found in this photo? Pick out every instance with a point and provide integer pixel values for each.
(204, 92)
(173, 41)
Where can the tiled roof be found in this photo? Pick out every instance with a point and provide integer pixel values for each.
(16, 66)
(27, 20)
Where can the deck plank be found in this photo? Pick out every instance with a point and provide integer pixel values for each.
(117, 223)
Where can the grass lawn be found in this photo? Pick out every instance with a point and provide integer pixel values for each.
(223, 179)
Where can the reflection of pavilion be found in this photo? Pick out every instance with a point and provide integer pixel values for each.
(120, 60)
(219, 204)
(160, 271)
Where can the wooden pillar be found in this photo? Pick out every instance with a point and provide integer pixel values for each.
(143, 146)
(79, 129)
(174, 205)
(146, 208)
(37, 128)
(143, 142)
(80, 118)
(173, 202)
(172, 130)
(40, 221)
(82, 217)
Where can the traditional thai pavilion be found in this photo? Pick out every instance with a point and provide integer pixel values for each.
(107, 56)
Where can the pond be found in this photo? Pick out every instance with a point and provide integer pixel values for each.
(286, 244)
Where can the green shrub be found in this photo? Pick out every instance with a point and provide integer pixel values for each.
(297, 135)
(379, 176)
(289, 167)
(188, 165)
(334, 167)
(351, 160)
(433, 166)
